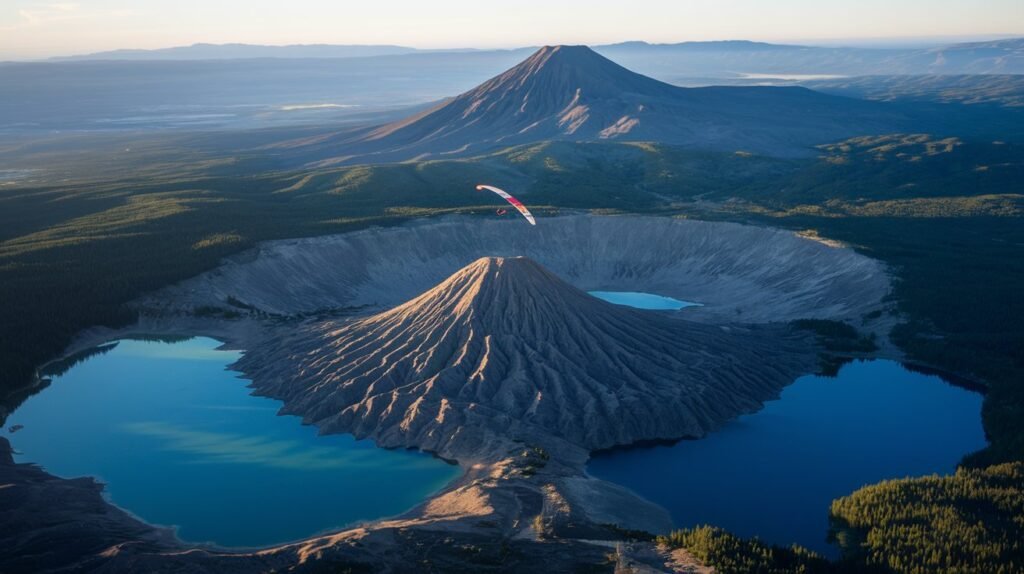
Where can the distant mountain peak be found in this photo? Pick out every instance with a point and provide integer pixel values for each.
(558, 92)
(581, 65)
(573, 93)
(567, 72)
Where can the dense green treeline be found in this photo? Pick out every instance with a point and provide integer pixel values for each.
(968, 523)
(972, 521)
(729, 554)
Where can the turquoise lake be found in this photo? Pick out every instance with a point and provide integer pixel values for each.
(774, 473)
(642, 300)
(179, 441)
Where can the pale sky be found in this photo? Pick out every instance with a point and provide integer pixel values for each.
(42, 28)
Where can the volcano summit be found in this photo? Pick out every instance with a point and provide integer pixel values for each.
(573, 93)
(505, 350)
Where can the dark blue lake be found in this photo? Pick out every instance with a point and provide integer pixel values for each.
(773, 474)
(179, 441)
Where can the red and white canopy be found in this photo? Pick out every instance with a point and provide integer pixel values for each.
(513, 201)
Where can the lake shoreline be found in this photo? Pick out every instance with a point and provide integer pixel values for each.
(526, 488)
(811, 446)
(204, 433)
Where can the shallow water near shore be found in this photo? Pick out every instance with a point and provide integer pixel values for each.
(179, 441)
(773, 474)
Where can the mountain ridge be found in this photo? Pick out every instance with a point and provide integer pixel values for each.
(203, 50)
(210, 51)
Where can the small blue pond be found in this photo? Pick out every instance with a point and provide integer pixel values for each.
(773, 474)
(179, 441)
(642, 300)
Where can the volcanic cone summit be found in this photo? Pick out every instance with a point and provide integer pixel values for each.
(556, 91)
(504, 348)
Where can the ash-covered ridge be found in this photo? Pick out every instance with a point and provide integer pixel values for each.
(503, 350)
(740, 273)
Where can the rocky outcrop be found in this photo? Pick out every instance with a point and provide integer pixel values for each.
(505, 350)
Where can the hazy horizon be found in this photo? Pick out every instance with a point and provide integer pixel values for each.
(909, 42)
(35, 29)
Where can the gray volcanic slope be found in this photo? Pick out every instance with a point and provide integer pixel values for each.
(505, 349)
(574, 93)
(740, 273)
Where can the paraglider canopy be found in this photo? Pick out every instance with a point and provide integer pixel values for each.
(513, 201)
